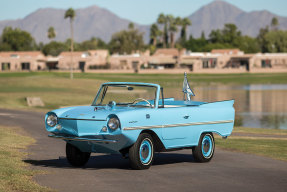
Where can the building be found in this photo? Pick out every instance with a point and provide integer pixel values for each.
(233, 60)
(269, 60)
(35, 60)
(22, 61)
(135, 61)
(169, 60)
(92, 59)
(164, 59)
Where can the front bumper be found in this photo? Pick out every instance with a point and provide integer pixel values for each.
(83, 139)
(111, 144)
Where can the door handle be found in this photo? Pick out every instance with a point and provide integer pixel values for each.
(186, 117)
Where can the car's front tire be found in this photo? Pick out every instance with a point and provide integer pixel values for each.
(204, 151)
(75, 156)
(141, 153)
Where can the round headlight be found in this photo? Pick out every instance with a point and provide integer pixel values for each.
(113, 123)
(52, 120)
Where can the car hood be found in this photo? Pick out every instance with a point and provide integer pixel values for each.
(89, 112)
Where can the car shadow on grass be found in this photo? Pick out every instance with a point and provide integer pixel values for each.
(112, 161)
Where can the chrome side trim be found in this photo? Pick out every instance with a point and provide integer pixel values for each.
(178, 125)
(82, 139)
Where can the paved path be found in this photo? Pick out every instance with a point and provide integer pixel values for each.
(174, 171)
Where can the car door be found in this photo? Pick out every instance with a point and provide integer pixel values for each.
(173, 121)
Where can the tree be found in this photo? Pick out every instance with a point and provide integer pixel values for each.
(228, 35)
(216, 36)
(208, 47)
(184, 23)
(154, 33)
(70, 13)
(163, 20)
(5, 47)
(249, 44)
(126, 41)
(276, 41)
(231, 34)
(16, 40)
(202, 35)
(54, 48)
(195, 45)
(92, 44)
(261, 39)
(274, 23)
(173, 28)
(51, 33)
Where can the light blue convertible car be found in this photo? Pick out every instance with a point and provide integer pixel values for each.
(135, 120)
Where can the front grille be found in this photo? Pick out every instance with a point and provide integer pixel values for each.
(81, 127)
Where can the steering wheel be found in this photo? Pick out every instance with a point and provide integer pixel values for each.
(141, 99)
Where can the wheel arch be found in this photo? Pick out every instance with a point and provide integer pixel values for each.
(158, 145)
(203, 132)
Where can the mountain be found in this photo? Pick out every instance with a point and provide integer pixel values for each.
(98, 22)
(89, 22)
(215, 14)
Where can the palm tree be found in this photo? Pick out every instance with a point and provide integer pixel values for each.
(173, 28)
(162, 19)
(70, 13)
(154, 33)
(274, 23)
(51, 33)
(184, 23)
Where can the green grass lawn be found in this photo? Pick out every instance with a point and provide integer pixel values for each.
(272, 147)
(259, 131)
(244, 78)
(14, 174)
(54, 91)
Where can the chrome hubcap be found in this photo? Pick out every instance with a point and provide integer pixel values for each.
(145, 151)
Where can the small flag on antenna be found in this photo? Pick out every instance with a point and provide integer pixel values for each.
(186, 89)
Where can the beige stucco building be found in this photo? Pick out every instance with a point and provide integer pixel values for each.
(22, 61)
(92, 59)
(221, 61)
(170, 60)
(134, 61)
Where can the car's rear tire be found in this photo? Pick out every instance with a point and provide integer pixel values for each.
(204, 151)
(75, 156)
(141, 153)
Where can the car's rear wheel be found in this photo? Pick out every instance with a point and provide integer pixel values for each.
(75, 156)
(205, 149)
(141, 153)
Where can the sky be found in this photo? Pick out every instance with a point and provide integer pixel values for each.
(139, 11)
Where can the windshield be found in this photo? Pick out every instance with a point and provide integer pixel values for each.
(127, 95)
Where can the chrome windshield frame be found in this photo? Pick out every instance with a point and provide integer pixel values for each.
(157, 92)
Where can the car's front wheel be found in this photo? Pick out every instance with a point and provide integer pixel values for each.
(75, 156)
(204, 151)
(141, 153)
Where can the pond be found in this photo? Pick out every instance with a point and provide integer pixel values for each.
(258, 106)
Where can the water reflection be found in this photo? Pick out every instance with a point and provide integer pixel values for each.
(260, 106)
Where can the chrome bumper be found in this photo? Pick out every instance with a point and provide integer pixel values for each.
(82, 139)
